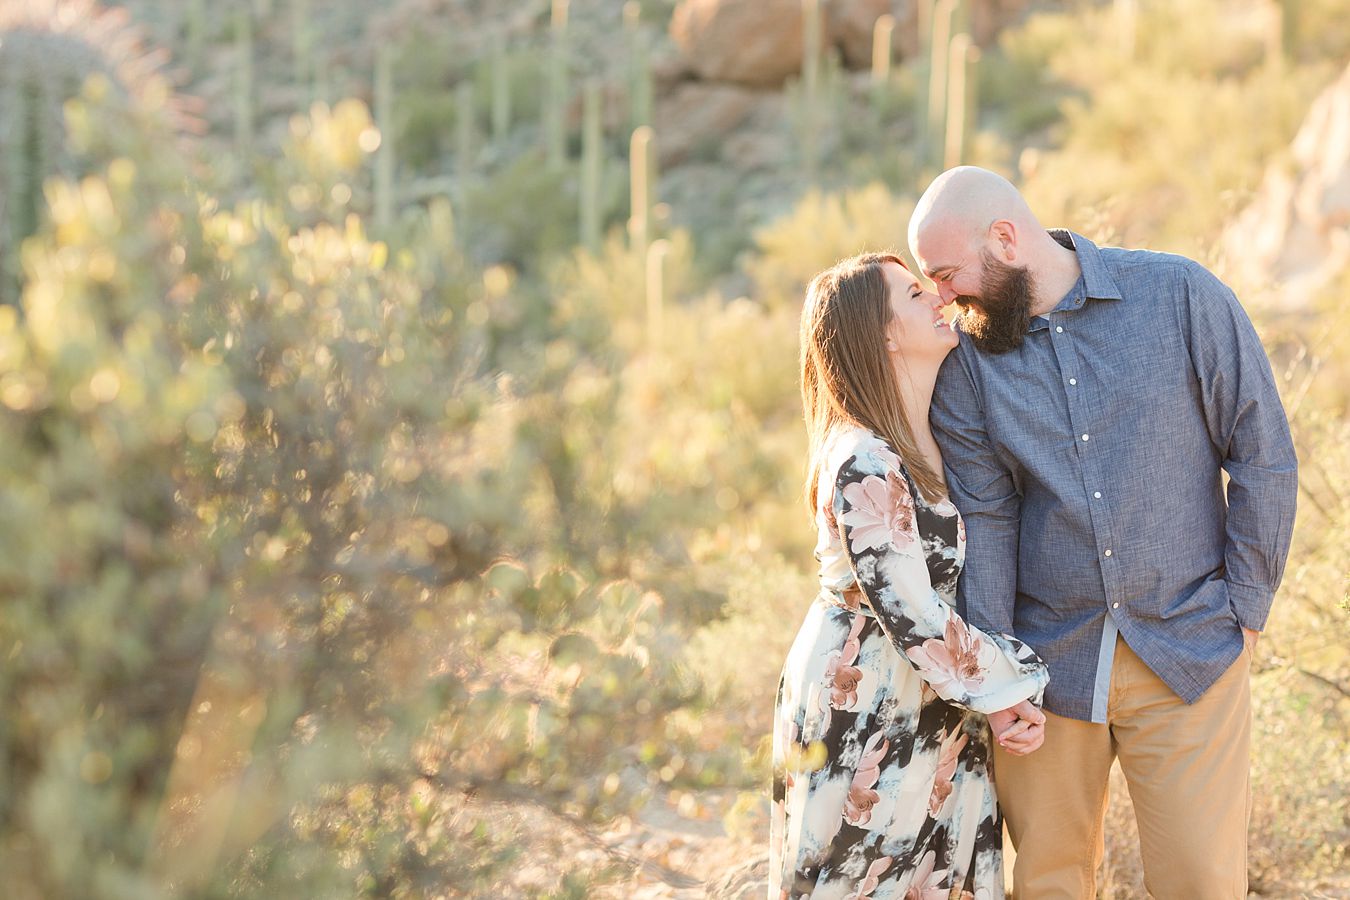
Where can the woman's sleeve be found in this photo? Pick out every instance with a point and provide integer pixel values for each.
(965, 666)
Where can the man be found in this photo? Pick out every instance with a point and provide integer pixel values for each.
(1085, 419)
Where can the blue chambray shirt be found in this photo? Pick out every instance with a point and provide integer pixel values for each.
(1087, 466)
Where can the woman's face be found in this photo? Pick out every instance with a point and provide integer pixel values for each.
(917, 328)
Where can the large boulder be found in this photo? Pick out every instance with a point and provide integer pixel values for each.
(752, 42)
(695, 118)
(1295, 235)
(759, 42)
(851, 24)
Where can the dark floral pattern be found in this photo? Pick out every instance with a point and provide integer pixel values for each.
(882, 788)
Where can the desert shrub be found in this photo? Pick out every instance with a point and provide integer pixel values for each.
(822, 229)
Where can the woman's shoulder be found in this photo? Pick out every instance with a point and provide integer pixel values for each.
(859, 451)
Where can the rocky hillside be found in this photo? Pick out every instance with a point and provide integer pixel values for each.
(1294, 238)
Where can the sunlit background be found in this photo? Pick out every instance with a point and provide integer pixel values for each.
(400, 448)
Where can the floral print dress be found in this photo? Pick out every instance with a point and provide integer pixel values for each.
(882, 785)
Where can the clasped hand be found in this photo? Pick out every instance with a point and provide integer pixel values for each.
(1019, 729)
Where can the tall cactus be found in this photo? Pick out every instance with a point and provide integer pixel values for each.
(882, 31)
(592, 159)
(243, 79)
(323, 79)
(938, 53)
(641, 177)
(499, 77)
(639, 67)
(1127, 25)
(556, 89)
(812, 46)
(962, 55)
(464, 130)
(1275, 37)
(302, 41)
(196, 33)
(656, 291)
(384, 121)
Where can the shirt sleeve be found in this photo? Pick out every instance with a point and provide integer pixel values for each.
(963, 665)
(1248, 428)
(984, 491)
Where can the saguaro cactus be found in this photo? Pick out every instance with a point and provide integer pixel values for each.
(464, 130)
(500, 77)
(196, 33)
(1127, 24)
(938, 53)
(959, 100)
(812, 44)
(641, 178)
(656, 290)
(882, 32)
(384, 121)
(556, 86)
(302, 41)
(592, 159)
(243, 78)
(639, 67)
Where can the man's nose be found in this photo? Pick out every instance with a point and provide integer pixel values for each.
(945, 293)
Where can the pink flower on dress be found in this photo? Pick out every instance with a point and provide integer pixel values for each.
(956, 659)
(861, 797)
(841, 678)
(831, 522)
(946, 770)
(927, 884)
(871, 879)
(882, 513)
(888, 459)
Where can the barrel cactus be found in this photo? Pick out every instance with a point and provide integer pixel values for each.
(48, 48)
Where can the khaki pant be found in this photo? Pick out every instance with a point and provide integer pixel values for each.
(1187, 768)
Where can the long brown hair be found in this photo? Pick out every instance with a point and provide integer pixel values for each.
(847, 376)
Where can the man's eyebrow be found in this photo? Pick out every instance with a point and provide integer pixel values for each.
(939, 272)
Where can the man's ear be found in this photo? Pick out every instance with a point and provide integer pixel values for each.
(1004, 236)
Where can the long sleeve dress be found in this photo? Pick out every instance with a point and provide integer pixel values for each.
(882, 785)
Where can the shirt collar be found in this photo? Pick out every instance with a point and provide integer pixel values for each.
(1097, 278)
(1095, 282)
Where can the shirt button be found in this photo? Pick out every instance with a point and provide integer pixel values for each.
(1115, 606)
(1085, 437)
(1096, 495)
(1059, 328)
(1108, 552)
(1073, 381)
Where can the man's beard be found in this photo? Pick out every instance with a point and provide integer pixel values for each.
(997, 320)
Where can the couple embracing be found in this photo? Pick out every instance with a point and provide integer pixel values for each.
(1030, 564)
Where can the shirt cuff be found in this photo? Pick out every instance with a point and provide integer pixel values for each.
(1251, 604)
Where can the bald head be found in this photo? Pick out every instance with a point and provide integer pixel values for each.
(962, 203)
(971, 232)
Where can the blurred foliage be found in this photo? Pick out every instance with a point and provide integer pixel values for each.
(353, 564)
(1162, 141)
(49, 48)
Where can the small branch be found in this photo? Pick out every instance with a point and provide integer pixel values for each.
(1334, 685)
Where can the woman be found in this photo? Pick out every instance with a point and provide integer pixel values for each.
(882, 787)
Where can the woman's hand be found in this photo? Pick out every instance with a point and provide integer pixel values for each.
(1019, 729)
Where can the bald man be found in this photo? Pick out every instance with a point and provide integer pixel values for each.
(1085, 419)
